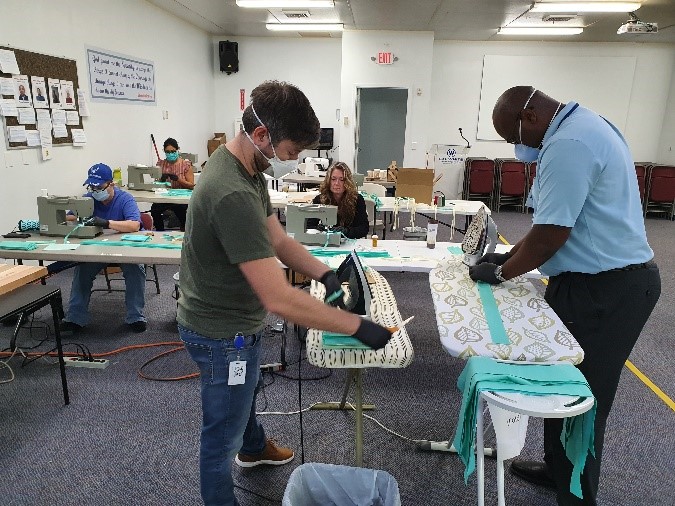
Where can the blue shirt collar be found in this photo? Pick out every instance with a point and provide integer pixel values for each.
(562, 115)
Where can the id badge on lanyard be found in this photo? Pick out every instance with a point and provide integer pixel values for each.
(237, 374)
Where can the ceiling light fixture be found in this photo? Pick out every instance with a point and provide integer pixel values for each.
(540, 30)
(585, 7)
(305, 27)
(285, 4)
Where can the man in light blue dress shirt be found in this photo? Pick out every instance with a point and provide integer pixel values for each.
(588, 236)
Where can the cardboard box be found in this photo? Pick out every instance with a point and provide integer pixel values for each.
(212, 144)
(415, 183)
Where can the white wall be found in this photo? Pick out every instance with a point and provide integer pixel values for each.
(666, 154)
(117, 134)
(414, 51)
(312, 64)
(456, 83)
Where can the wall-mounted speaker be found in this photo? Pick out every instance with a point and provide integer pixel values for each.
(229, 56)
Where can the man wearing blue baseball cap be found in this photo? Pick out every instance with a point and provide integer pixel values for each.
(117, 210)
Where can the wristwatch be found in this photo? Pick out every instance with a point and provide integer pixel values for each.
(498, 274)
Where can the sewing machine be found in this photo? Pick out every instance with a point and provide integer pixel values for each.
(316, 166)
(52, 212)
(136, 179)
(296, 223)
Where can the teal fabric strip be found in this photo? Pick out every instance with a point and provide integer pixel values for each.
(486, 374)
(132, 244)
(177, 192)
(18, 245)
(135, 237)
(455, 250)
(342, 341)
(494, 319)
(327, 252)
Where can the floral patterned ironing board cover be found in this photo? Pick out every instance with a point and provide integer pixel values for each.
(535, 332)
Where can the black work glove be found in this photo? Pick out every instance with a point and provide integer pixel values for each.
(333, 285)
(338, 229)
(484, 272)
(173, 177)
(372, 334)
(163, 178)
(494, 258)
(97, 222)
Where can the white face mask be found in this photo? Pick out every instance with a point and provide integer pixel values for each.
(280, 167)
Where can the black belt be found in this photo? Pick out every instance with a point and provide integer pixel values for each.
(633, 267)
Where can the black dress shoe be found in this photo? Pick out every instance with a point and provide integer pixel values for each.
(67, 328)
(138, 326)
(534, 472)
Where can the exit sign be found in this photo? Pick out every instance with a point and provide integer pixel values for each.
(385, 58)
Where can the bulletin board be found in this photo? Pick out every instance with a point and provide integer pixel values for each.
(600, 83)
(47, 66)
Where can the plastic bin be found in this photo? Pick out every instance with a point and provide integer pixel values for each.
(315, 484)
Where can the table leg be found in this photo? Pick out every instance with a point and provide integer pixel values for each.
(348, 384)
(359, 419)
(384, 225)
(480, 458)
(57, 307)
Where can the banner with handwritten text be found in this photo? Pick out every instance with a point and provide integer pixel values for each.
(119, 77)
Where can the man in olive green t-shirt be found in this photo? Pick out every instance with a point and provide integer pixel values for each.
(230, 278)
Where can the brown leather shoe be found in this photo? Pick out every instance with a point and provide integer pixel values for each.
(534, 472)
(272, 455)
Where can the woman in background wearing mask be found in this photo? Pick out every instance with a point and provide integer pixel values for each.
(179, 172)
(338, 189)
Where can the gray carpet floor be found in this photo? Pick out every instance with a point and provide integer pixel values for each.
(126, 440)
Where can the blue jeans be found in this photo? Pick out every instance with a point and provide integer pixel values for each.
(229, 422)
(83, 280)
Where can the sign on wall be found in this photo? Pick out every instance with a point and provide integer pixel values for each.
(122, 78)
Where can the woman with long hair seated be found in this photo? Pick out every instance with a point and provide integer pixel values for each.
(338, 189)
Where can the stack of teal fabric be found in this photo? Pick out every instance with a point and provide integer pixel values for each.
(18, 245)
(486, 374)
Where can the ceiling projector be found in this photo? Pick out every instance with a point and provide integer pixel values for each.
(636, 26)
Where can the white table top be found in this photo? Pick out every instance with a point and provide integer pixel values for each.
(279, 199)
(102, 253)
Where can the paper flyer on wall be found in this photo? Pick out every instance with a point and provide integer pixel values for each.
(60, 131)
(68, 94)
(40, 95)
(26, 116)
(82, 103)
(58, 117)
(44, 119)
(16, 133)
(22, 91)
(46, 143)
(72, 118)
(6, 86)
(33, 138)
(8, 107)
(55, 93)
(8, 64)
(79, 137)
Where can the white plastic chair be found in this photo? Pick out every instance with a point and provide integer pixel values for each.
(510, 430)
(374, 222)
(376, 189)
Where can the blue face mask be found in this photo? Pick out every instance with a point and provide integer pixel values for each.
(100, 195)
(172, 157)
(526, 153)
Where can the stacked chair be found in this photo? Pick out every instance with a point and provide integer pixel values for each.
(511, 189)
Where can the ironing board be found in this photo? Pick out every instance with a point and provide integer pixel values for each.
(535, 334)
(397, 353)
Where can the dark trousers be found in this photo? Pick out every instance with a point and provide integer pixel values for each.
(156, 210)
(605, 313)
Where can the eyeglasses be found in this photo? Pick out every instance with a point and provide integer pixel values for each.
(98, 188)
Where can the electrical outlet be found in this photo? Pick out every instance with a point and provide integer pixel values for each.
(96, 363)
